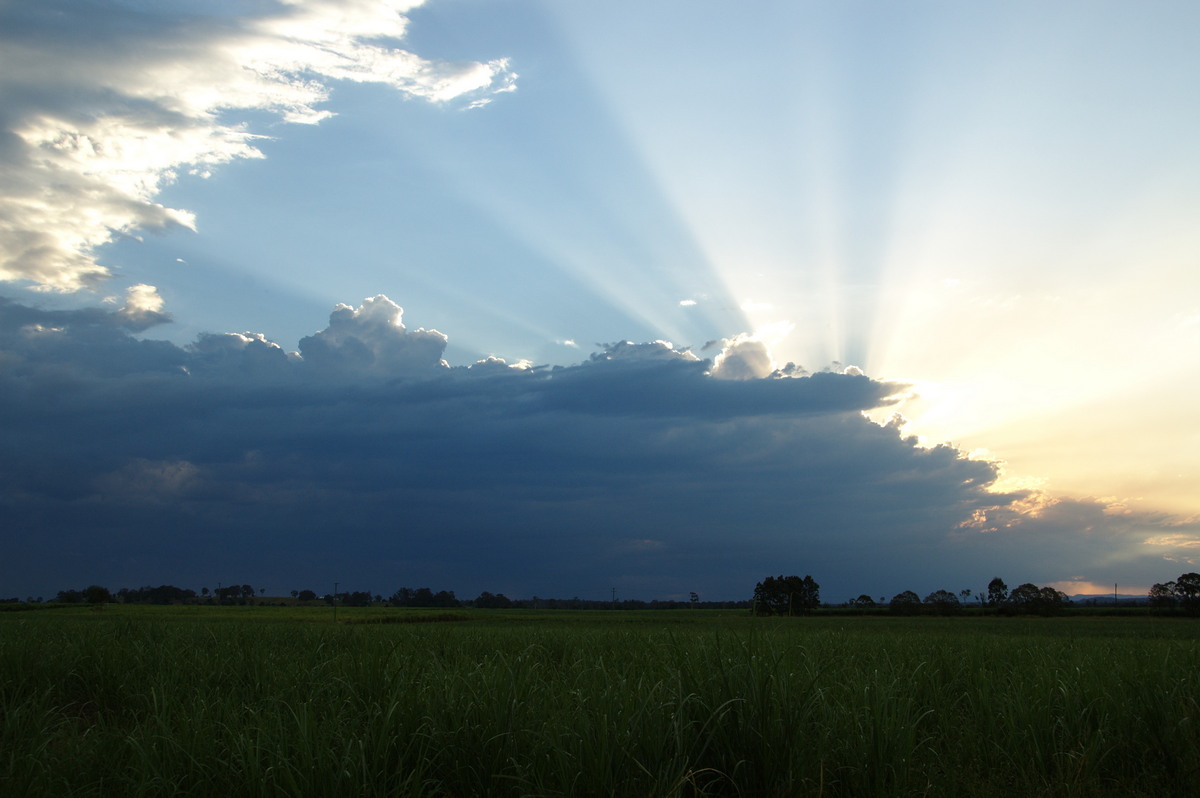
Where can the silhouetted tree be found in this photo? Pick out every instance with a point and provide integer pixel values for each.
(163, 594)
(359, 598)
(863, 602)
(96, 595)
(1162, 595)
(307, 595)
(786, 595)
(1031, 599)
(943, 602)
(1187, 591)
(997, 592)
(906, 603)
(1184, 591)
(445, 598)
(487, 601)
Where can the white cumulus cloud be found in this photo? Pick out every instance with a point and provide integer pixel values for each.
(372, 338)
(743, 357)
(102, 106)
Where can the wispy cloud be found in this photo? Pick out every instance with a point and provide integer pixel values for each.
(102, 105)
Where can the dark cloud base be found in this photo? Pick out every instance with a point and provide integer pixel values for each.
(367, 460)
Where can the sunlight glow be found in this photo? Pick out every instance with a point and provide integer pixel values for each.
(958, 232)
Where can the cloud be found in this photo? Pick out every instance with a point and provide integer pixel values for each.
(143, 307)
(365, 458)
(103, 105)
(373, 338)
(742, 358)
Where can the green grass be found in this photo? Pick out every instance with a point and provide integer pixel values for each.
(279, 701)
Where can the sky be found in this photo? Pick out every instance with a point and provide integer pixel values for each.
(555, 298)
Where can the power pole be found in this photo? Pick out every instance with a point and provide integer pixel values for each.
(614, 592)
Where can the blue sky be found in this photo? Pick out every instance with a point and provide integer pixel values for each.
(969, 228)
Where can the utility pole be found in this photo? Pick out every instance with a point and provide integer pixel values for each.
(614, 592)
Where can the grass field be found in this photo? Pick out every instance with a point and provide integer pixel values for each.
(280, 701)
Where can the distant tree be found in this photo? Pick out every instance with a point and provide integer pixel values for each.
(295, 593)
(1187, 591)
(163, 594)
(1026, 594)
(359, 598)
(786, 595)
(307, 595)
(863, 602)
(1053, 600)
(445, 598)
(487, 601)
(943, 602)
(1162, 595)
(997, 592)
(1183, 592)
(965, 594)
(204, 592)
(96, 595)
(694, 597)
(906, 603)
(1031, 599)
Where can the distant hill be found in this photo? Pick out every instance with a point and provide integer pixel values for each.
(1106, 599)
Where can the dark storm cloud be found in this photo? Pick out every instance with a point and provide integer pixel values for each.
(126, 460)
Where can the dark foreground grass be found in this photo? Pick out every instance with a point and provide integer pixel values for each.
(134, 702)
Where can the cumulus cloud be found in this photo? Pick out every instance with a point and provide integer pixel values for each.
(143, 307)
(628, 351)
(743, 357)
(237, 354)
(101, 106)
(366, 458)
(372, 338)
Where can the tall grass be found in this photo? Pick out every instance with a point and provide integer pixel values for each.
(131, 703)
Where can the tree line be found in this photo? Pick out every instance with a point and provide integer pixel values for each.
(1182, 593)
(401, 597)
(774, 595)
(794, 595)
